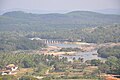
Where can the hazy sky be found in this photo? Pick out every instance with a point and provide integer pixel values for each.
(53, 5)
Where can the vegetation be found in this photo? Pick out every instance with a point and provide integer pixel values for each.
(101, 34)
(70, 49)
(94, 62)
(16, 48)
(42, 63)
(8, 78)
(15, 78)
(106, 52)
(111, 66)
(12, 42)
(104, 34)
(39, 62)
(84, 25)
(20, 21)
(27, 78)
(25, 60)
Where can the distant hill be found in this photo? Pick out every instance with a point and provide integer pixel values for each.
(21, 21)
(109, 11)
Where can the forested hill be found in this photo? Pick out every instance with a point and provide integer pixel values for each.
(21, 21)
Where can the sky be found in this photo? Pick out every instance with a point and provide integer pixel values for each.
(59, 5)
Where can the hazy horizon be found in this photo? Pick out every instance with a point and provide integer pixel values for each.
(59, 6)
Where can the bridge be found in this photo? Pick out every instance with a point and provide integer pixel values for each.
(50, 41)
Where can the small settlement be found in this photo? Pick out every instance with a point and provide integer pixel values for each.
(9, 70)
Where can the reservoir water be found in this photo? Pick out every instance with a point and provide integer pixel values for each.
(88, 55)
(62, 45)
(85, 55)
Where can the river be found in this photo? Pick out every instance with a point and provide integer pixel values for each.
(88, 55)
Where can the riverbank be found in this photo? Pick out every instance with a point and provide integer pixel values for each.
(60, 53)
(87, 51)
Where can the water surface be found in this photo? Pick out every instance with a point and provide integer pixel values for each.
(86, 55)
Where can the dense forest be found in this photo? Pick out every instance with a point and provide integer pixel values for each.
(19, 40)
(12, 41)
(112, 65)
(27, 60)
(106, 52)
(83, 25)
(21, 21)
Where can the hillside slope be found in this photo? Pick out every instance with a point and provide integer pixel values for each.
(21, 21)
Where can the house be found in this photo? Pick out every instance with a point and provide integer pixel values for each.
(11, 67)
(6, 72)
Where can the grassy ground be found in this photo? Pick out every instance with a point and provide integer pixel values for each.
(23, 71)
